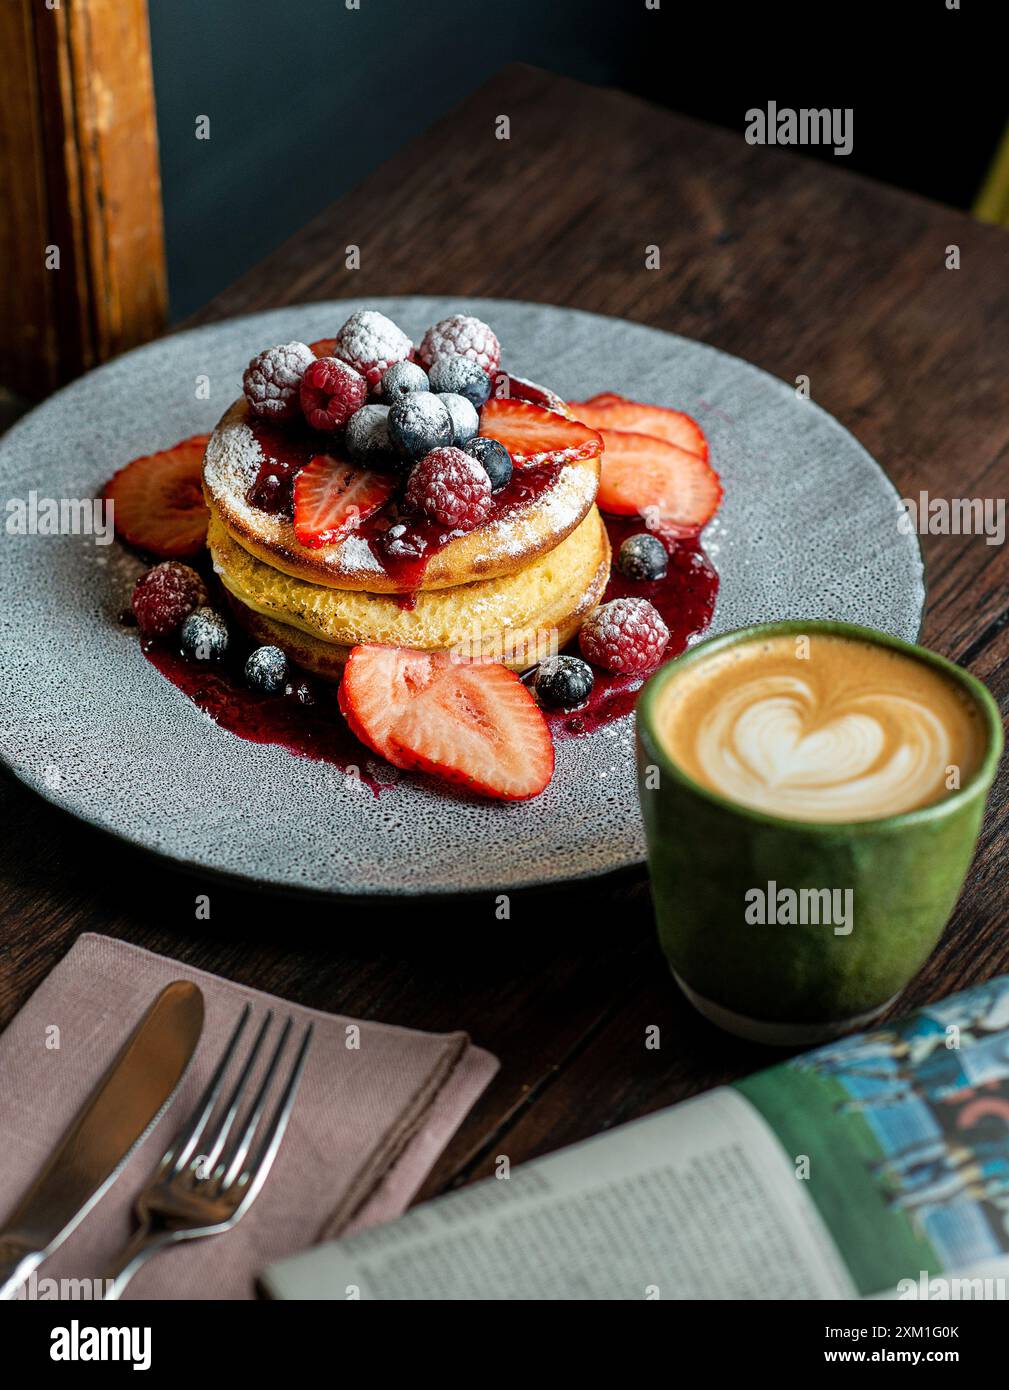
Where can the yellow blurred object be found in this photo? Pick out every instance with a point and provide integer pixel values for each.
(992, 202)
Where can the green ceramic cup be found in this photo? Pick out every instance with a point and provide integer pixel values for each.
(799, 984)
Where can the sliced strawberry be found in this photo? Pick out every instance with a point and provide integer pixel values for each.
(532, 434)
(521, 390)
(158, 501)
(323, 348)
(670, 487)
(603, 398)
(612, 413)
(332, 498)
(473, 723)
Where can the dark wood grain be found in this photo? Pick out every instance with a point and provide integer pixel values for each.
(79, 170)
(800, 268)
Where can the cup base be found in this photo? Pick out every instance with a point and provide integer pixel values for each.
(776, 1034)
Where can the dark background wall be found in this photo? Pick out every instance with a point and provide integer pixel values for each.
(305, 97)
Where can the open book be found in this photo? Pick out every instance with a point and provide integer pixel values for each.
(877, 1165)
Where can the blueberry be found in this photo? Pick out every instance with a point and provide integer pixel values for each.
(461, 377)
(401, 379)
(204, 635)
(302, 690)
(419, 423)
(563, 682)
(266, 670)
(495, 459)
(464, 417)
(367, 439)
(643, 557)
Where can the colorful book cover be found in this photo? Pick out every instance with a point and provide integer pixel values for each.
(902, 1135)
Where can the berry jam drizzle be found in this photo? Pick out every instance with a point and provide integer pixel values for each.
(685, 599)
(317, 730)
(284, 451)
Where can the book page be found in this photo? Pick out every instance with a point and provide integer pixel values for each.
(699, 1201)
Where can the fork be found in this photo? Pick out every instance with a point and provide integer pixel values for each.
(191, 1194)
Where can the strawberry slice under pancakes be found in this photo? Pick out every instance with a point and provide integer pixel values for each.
(610, 412)
(158, 503)
(474, 724)
(333, 498)
(672, 489)
(533, 434)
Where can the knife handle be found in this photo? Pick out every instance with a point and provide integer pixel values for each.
(17, 1260)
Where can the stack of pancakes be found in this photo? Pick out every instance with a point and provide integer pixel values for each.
(510, 590)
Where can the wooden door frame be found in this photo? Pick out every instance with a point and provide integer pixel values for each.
(81, 237)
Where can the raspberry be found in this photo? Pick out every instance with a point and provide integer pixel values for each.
(465, 337)
(331, 392)
(370, 343)
(451, 488)
(272, 380)
(165, 596)
(625, 635)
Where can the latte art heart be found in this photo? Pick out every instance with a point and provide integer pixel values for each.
(851, 730)
(770, 745)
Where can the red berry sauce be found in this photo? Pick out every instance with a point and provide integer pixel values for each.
(285, 449)
(686, 601)
(317, 730)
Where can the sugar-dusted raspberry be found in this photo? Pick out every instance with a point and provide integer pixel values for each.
(464, 336)
(330, 393)
(371, 343)
(272, 380)
(451, 488)
(165, 596)
(626, 635)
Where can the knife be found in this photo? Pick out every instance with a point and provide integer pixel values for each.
(125, 1105)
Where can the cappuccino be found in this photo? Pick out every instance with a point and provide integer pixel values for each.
(820, 728)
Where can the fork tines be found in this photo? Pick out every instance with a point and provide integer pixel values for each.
(225, 1164)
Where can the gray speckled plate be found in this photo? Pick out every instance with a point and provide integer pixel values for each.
(807, 529)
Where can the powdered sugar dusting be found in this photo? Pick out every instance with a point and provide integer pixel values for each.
(230, 467)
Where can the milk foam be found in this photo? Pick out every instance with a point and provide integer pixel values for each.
(839, 736)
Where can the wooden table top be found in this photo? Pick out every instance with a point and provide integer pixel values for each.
(793, 264)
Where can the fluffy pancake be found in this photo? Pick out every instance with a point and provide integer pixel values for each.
(501, 547)
(326, 660)
(503, 618)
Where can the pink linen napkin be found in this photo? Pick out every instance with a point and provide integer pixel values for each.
(368, 1124)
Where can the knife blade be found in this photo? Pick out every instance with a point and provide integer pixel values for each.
(124, 1106)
